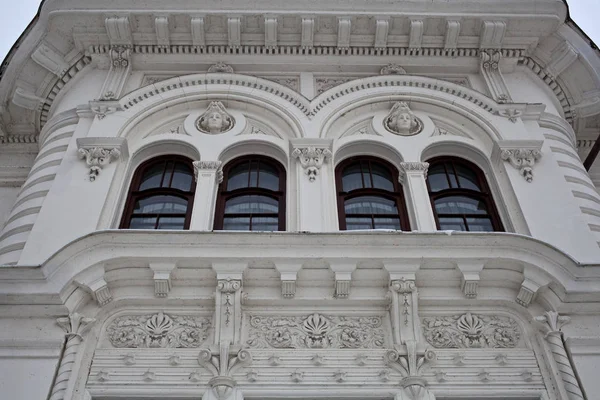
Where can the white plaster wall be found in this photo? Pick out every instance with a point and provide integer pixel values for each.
(8, 195)
(24, 377)
(86, 88)
(524, 89)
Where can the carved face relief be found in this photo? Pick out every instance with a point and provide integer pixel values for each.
(402, 121)
(215, 120)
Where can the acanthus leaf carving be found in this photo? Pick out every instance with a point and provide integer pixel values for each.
(209, 165)
(222, 365)
(522, 159)
(316, 331)
(158, 331)
(98, 157)
(311, 158)
(471, 331)
(220, 67)
(392, 69)
(411, 366)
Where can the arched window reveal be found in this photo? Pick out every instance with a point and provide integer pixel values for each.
(369, 195)
(461, 197)
(251, 196)
(161, 195)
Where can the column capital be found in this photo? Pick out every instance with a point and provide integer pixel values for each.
(208, 166)
(415, 167)
(75, 324)
(552, 322)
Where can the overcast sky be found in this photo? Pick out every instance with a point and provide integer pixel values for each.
(16, 14)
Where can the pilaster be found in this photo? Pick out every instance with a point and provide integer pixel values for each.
(208, 177)
(413, 176)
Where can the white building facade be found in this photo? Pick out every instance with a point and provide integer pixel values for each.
(374, 200)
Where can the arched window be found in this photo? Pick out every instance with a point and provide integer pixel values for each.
(251, 196)
(369, 195)
(461, 197)
(161, 195)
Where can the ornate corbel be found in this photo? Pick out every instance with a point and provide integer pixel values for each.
(552, 323)
(222, 365)
(521, 155)
(411, 366)
(490, 69)
(75, 325)
(120, 68)
(99, 152)
(312, 154)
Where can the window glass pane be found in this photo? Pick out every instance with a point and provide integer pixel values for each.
(382, 178)
(238, 176)
(252, 204)
(269, 177)
(265, 224)
(451, 175)
(387, 223)
(452, 224)
(353, 223)
(437, 178)
(142, 223)
(370, 205)
(236, 224)
(161, 205)
(167, 177)
(467, 178)
(152, 177)
(171, 222)
(460, 205)
(366, 174)
(480, 225)
(351, 178)
(182, 179)
(253, 174)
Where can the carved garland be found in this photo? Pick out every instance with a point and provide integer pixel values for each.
(158, 331)
(471, 331)
(316, 331)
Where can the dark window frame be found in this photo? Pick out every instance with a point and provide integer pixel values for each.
(485, 195)
(397, 195)
(224, 195)
(134, 194)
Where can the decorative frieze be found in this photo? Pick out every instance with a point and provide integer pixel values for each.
(402, 121)
(311, 158)
(522, 159)
(471, 331)
(315, 331)
(215, 119)
(158, 331)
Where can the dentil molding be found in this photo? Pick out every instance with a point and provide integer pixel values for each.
(99, 152)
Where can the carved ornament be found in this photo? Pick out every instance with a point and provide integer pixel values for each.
(215, 119)
(316, 331)
(220, 67)
(402, 121)
(158, 331)
(522, 159)
(392, 69)
(471, 331)
(97, 157)
(311, 158)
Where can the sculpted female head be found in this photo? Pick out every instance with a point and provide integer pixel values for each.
(402, 121)
(215, 120)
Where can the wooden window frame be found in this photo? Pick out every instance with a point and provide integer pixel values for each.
(224, 195)
(397, 195)
(485, 195)
(134, 194)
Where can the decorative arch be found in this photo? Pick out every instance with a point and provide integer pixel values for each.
(373, 146)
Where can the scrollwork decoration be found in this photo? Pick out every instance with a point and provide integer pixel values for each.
(316, 331)
(158, 331)
(471, 331)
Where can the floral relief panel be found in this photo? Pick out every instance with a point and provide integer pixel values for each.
(316, 331)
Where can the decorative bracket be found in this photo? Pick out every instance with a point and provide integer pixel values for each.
(312, 154)
(411, 366)
(222, 365)
(490, 69)
(120, 67)
(521, 155)
(162, 278)
(99, 152)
